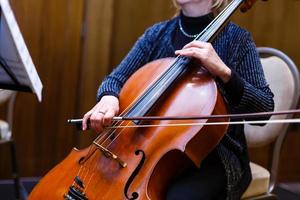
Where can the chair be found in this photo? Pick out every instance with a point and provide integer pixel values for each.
(5, 126)
(277, 67)
(8, 97)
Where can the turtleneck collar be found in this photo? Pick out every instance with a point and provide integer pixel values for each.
(194, 25)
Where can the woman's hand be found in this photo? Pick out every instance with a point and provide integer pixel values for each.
(102, 113)
(207, 56)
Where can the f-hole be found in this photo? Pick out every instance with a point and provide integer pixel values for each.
(134, 195)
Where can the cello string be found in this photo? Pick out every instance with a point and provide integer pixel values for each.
(85, 175)
(217, 21)
(177, 60)
(136, 100)
(107, 134)
(102, 143)
(81, 168)
(203, 36)
(175, 64)
(116, 137)
(91, 168)
(97, 140)
(86, 170)
(94, 166)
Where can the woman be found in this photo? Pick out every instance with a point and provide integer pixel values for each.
(233, 60)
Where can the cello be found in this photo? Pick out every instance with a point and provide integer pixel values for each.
(138, 163)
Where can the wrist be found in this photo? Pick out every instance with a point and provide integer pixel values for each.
(106, 93)
(110, 97)
(225, 75)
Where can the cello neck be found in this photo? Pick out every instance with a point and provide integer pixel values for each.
(212, 30)
(149, 97)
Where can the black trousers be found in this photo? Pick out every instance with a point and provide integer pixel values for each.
(206, 183)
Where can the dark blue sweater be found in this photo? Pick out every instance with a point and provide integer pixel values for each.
(246, 91)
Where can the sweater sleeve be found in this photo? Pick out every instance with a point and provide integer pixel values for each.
(136, 58)
(248, 79)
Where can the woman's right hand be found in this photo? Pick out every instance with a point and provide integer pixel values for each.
(101, 114)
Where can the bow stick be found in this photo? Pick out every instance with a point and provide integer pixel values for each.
(244, 116)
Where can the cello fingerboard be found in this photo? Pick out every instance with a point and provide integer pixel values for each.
(148, 99)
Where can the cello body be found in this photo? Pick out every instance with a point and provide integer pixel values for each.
(143, 160)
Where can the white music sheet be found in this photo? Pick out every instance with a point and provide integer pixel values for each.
(14, 53)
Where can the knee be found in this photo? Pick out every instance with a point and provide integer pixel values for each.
(180, 191)
(173, 192)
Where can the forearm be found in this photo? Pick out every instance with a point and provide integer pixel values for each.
(249, 92)
(113, 83)
(244, 97)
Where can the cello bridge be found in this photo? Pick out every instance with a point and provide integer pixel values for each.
(110, 154)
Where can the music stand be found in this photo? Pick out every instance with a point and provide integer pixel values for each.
(17, 72)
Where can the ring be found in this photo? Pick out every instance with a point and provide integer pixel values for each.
(101, 112)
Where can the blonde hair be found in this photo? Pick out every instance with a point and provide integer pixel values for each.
(217, 6)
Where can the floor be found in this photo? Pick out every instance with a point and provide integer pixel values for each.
(288, 191)
(285, 191)
(7, 189)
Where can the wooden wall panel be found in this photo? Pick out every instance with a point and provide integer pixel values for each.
(274, 23)
(52, 32)
(96, 52)
(131, 19)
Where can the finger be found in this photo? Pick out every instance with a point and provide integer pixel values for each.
(190, 52)
(96, 121)
(107, 119)
(85, 119)
(200, 55)
(198, 44)
(92, 121)
(182, 51)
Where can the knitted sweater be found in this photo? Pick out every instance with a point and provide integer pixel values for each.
(246, 91)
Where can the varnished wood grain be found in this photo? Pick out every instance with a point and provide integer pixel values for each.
(141, 149)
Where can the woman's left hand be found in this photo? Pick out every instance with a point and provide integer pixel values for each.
(206, 54)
